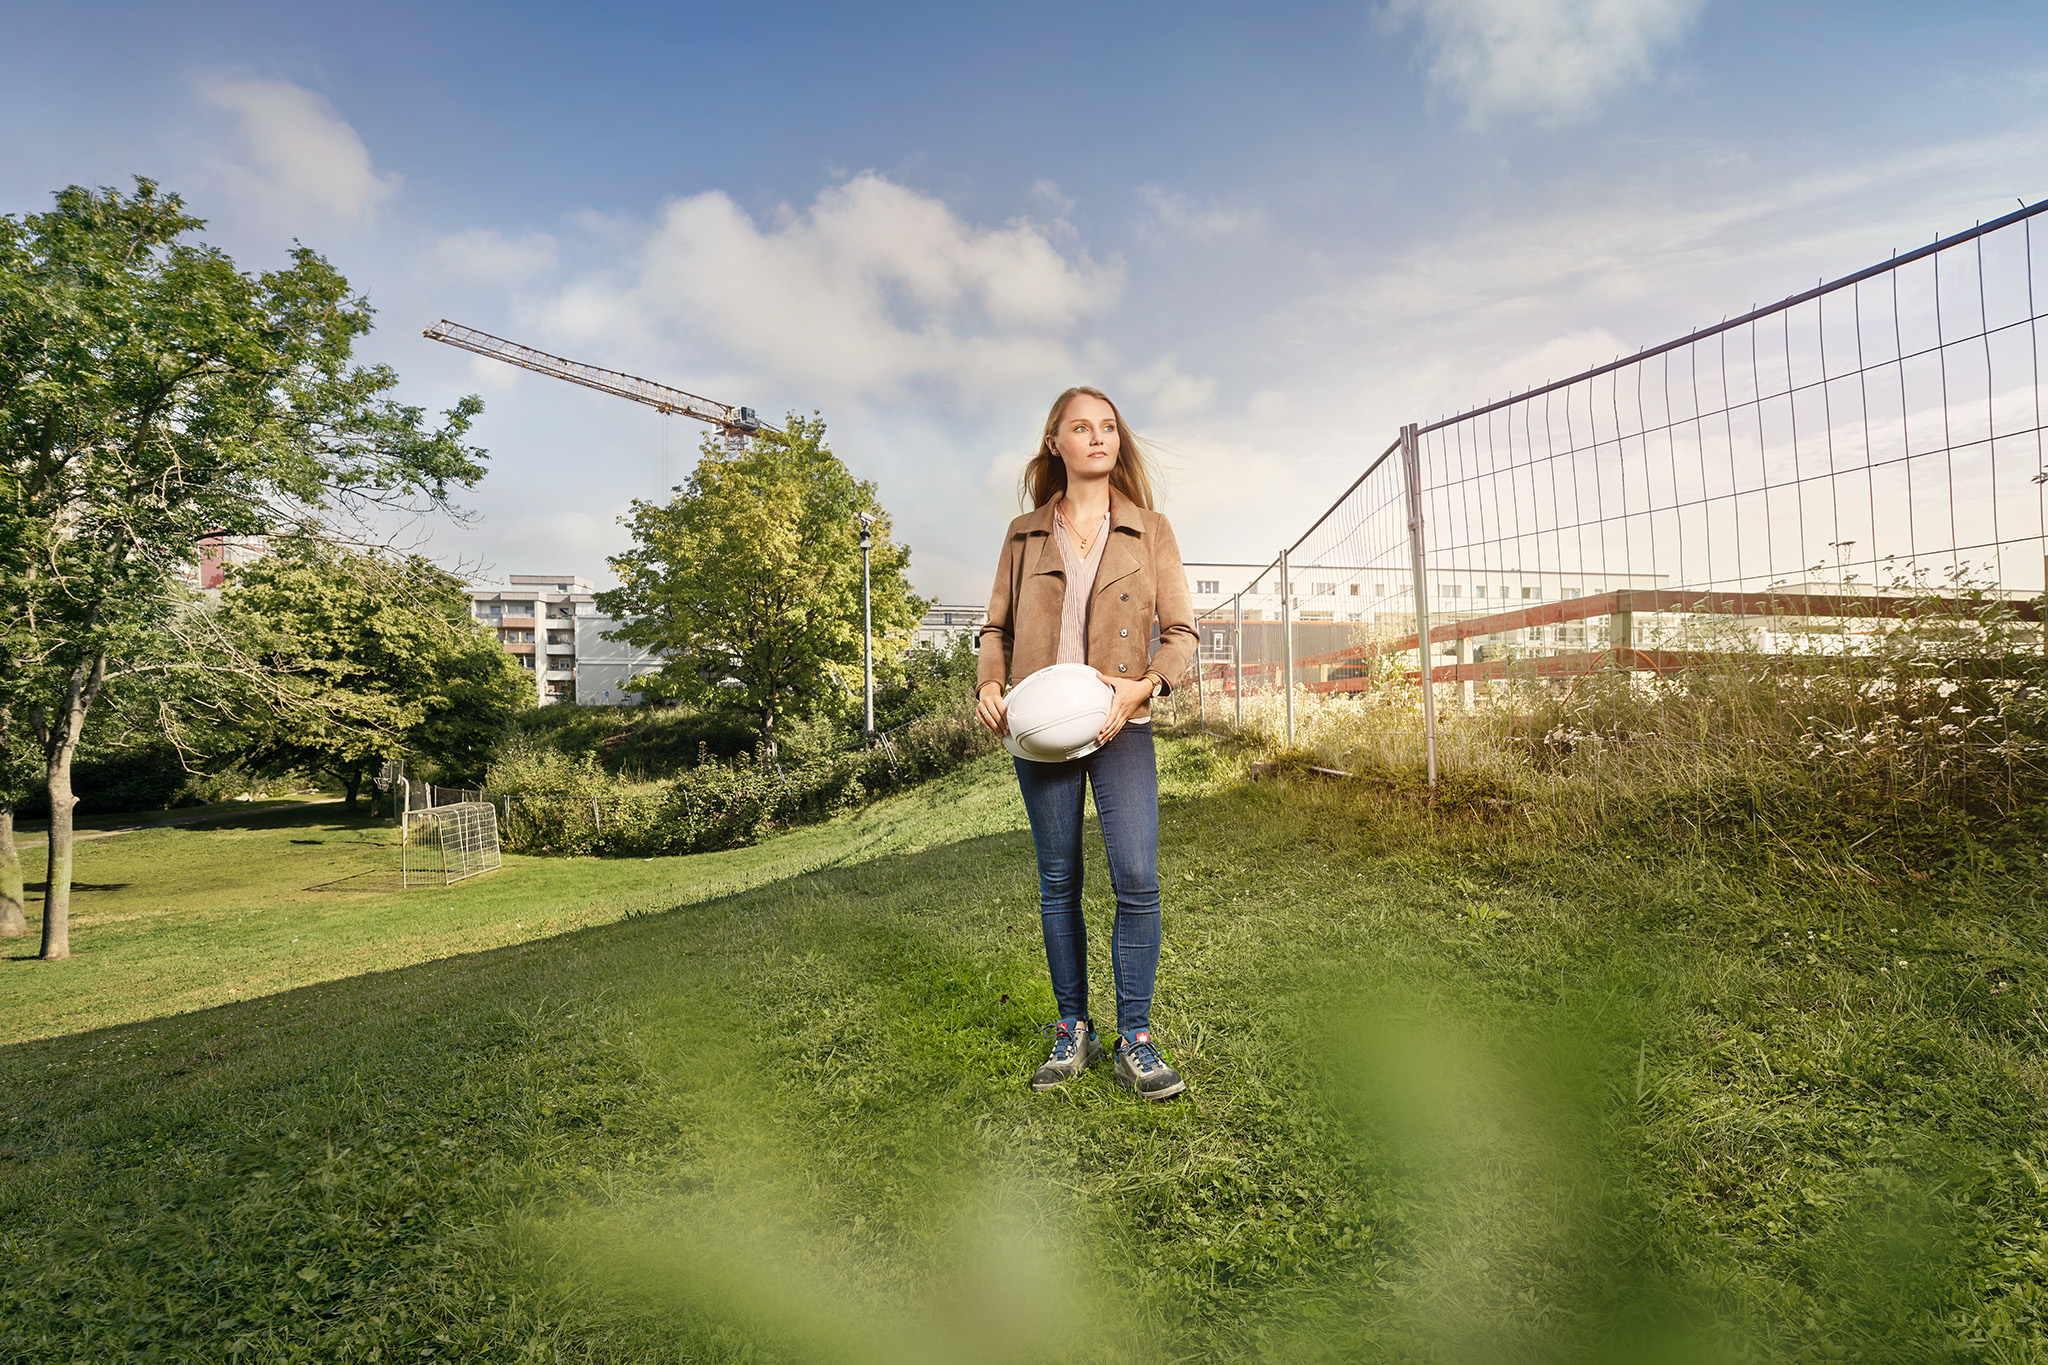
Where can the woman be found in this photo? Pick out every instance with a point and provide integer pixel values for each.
(1080, 580)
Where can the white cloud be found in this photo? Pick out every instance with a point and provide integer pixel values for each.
(1168, 394)
(485, 256)
(1267, 405)
(1551, 60)
(1047, 192)
(1557, 358)
(295, 152)
(1181, 216)
(871, 288)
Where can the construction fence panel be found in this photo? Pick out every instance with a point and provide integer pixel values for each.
(1732, 549)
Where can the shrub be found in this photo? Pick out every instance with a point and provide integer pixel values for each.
(569, 807)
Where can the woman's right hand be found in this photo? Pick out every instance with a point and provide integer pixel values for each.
(991, 710)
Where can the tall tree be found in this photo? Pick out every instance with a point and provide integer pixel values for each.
(152, 395)
(373, 657)
(748, 582)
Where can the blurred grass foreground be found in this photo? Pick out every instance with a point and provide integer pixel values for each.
(1468, 1084)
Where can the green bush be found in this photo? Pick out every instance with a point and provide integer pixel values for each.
(572, 807)
(649, 742)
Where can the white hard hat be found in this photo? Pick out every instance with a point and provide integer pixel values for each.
(1056, 713)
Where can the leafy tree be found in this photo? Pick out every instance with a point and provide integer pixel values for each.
(153, 395)
(935, 679)
(748, 582)
(374, 658)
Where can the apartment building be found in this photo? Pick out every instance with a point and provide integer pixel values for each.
(945, 623)
(1382, 597)
(550, 623)
(207, 570)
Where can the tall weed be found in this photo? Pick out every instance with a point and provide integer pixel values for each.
(1932, 724)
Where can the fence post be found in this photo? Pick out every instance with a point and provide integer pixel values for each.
(1201, 703)
(1411, 477)
(1237, 654)
(1287, 643)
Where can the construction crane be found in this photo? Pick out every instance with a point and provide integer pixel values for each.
(737, 423)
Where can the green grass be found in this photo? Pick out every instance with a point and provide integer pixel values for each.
(189, 917)
(1457, 1094)
(157, 815)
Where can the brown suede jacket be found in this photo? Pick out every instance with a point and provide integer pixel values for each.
(1141, 579)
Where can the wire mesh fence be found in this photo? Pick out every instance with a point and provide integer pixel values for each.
(1811, 533)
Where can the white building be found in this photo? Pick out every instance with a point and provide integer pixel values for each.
(945, 623)
(549, 622)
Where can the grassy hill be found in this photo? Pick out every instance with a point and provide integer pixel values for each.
(1457, 1093)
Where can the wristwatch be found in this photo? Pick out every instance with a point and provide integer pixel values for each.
(1158, 683)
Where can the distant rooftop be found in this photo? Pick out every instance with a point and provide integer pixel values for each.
(564, 582)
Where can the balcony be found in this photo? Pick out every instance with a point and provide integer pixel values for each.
(555, 674)
(561, 646)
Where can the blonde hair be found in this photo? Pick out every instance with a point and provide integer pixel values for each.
(1045, 476)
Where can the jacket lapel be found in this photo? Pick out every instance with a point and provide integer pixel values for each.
(1120, 558)
(1046, 558)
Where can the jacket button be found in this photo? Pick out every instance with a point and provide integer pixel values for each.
(1125, 598)
(1123, 668)
(1123, 632)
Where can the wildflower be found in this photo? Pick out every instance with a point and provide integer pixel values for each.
(1948, 689)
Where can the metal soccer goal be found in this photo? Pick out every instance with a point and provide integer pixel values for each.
(444, 844)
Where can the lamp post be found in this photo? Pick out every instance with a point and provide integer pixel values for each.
(867, 623)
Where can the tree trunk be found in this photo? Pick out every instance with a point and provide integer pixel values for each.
(57, 889)
(351, 783)
(13, 900)
(60, 744)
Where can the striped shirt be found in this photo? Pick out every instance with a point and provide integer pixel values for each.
(1080, 586)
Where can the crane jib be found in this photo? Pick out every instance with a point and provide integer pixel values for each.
(734, 421)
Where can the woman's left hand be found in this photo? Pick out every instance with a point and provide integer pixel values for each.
(1127, 695)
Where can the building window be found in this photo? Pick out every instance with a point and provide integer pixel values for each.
(1354, 590)
(1455, 589)
(1208, 585)
(1323, 589)
(1528, 593)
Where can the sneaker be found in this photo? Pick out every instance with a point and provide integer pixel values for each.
(1074, 1050)
(1139, 1067)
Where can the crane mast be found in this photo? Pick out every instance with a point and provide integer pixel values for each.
(736, 423)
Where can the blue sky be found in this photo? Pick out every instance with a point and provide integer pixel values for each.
(1273, 232)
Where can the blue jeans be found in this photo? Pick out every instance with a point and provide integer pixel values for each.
(1125, 776)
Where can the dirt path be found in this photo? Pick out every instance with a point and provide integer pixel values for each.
(28, 841)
